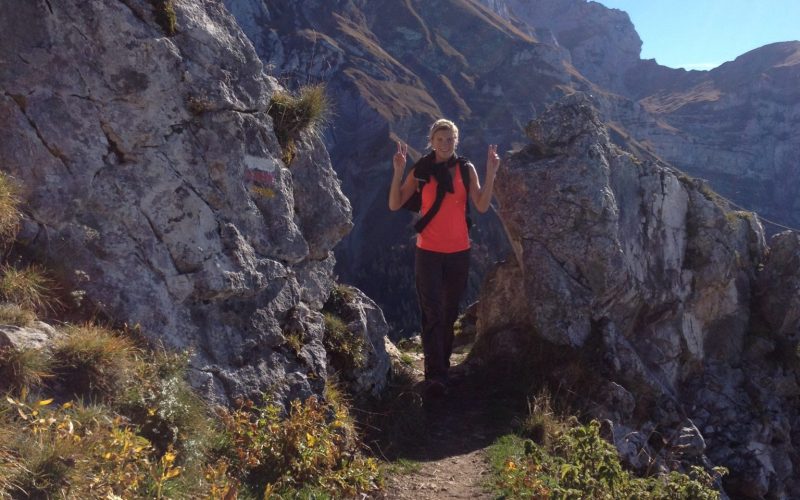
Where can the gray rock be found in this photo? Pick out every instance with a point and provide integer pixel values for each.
(645, 278)
(40, 335)
(150, 165)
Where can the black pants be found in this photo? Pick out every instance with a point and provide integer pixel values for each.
(441, 279)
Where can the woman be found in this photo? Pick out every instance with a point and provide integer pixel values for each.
(442, 252)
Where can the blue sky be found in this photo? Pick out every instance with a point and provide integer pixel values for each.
(703, 34)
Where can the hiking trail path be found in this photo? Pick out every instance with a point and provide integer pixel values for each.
(441, 454)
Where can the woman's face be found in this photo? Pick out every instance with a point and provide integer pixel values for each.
(444, 143)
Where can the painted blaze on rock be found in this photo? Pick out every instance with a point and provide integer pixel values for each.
(630, 282)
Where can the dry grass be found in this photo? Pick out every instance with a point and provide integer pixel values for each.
(12, 314)
(23, 369)
(9, 212)
(92, 360)
(293, 113)
(28, 287)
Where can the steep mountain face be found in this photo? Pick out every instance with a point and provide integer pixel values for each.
(738, 126)
(393, 68)
(152, 179)
(638, 290)
(602, 43)
(735, 125)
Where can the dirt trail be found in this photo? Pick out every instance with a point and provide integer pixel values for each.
(446, 446)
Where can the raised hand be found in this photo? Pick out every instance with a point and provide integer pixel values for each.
(492, 160)
(399, 158)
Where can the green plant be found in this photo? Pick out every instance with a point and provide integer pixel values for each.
(345, 348)
(9, 211)
(293, 113)
(92, 360)
(580, 464)
(12, 314)
(23, 369)
(164, 12)
(29, 288)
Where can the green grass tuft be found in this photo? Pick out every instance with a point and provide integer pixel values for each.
(9, 211)
(345, 348)
(29, 288)
(293, 113)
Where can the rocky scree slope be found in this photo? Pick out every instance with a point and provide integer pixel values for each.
(152, 179)
(640, 292)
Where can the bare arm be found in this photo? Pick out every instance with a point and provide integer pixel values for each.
(400, 190)
(482, 195)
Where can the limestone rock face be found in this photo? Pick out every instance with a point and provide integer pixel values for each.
(601, 42)
(632, 286)
(149, 163)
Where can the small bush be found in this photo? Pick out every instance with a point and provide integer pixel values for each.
(309, 451)
(165, 408)
(580, 464)
(345, 348)
(93, 361)
(9, 211)
(23, 369)
(29, 288)
(292, 114)
(12, 314)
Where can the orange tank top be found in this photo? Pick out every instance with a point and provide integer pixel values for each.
(447, 231)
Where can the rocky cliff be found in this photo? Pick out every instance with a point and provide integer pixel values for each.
(393, 68)
(153, 181)
(641, 292)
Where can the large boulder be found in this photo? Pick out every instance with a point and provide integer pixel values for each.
(150, 164)
(631, 286)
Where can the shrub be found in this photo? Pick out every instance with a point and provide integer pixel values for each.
(59, 454)
(92, 360)
(309, 451)
(12, 314)
(23, 369)
(9, 212)
(29, 288)
(580, 464)
(159, 400)
(292, 114)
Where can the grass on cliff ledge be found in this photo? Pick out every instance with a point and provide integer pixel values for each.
(293, 113)
(100, 415)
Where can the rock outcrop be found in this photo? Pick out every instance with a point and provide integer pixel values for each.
(150, 164)
(631, 286)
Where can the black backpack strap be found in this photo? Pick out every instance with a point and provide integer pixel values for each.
(441, 190)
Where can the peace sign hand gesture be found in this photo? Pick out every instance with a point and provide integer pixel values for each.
(399, 158)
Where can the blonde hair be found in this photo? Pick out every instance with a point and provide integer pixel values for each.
(443, 124)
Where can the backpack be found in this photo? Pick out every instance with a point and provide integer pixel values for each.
(423, 170)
